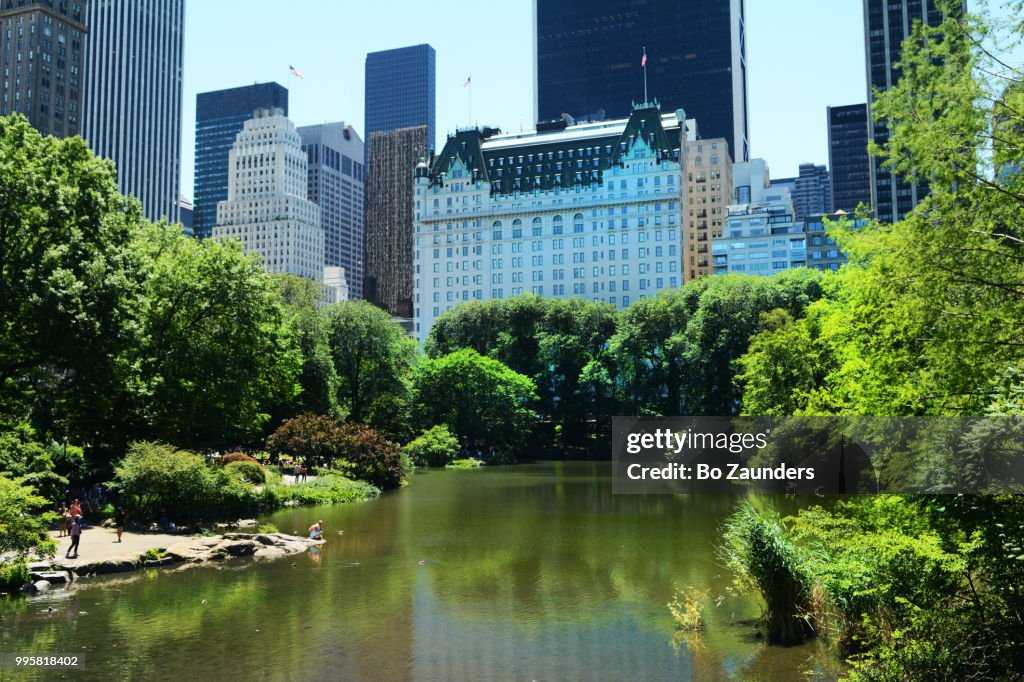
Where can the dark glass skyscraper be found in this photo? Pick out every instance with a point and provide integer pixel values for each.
(220, 116)
(812, 192)
(887, 23)
(848, 156)
(587, 61)
(399, 88)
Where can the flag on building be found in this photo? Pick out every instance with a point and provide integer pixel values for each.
(295, 72)
(643, 62)
(466, 84)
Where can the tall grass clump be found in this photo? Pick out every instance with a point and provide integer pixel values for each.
(755, 547)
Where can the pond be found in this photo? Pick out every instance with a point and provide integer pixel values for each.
(527, 572)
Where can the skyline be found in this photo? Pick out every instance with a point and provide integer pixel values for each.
(787, 114)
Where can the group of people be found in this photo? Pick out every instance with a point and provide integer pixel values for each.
(72, 523)
(300, 472)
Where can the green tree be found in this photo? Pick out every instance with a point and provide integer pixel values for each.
(303, 301)
(481, 400)
(214, 351)
(69, 281)
(372, 457)
(435, 447)
(372, 355)
(23, 522)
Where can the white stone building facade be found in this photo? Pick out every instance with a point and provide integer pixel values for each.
(591, 211)
(267, 207)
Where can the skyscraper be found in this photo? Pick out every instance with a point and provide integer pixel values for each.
(220, 116)
(132, 93)
(587, 61)
(267, 208)
(708, 180)
(887, 23)
(335, 156)
(41, 44)
(848, 157)
(388, 276)
(400, 90)
(812, 194)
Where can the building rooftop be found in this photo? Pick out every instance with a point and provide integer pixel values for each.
(557, 154)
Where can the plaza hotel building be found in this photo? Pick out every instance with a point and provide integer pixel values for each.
(589, 210)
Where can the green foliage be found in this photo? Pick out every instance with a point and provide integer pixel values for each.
(302, 300)
(159, 480)
(267, 528)
(434, 447)
(482, 401)
(463, 464)
(687, 608)
(23, 523)
(154, 554)
(764, 560)
(325, 489)
(249, 472)
(210, 318)
(372, 457)
(372, 355)
(14, 574)
(69, 280)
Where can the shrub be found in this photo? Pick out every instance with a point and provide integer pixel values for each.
(267, 528)
(13, 574)
(755, 547)
(372, 457)
(687, 608)
(325, 489)
(464, 464)
(157, 479)
(23, 524)
(435, 447)
(237, 457)
(250, 472)
(154, 554)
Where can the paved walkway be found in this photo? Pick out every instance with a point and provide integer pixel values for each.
(99, 543)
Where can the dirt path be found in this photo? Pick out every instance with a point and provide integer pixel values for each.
(101, 543)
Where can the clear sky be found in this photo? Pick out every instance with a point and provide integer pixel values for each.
(802, 56)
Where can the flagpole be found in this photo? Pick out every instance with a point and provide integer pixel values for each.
(645, 74)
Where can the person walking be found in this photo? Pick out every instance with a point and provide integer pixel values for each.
(119, 522)
(76, 536)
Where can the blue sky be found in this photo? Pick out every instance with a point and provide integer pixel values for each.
(803, 55)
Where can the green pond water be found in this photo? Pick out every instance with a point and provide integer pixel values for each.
(528, 572)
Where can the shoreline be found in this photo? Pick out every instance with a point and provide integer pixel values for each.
(101, 554)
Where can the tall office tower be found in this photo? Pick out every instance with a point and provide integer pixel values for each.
(388, 275)
(267, 208)
(399, 91)
(848, 157)
(335, 156)
(587, 61)
(220, 116)
(887, 23)
(41, 45)
(708, 193)
(132, 93)
(813, 192)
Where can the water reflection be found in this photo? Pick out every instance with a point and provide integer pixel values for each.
(528, 572)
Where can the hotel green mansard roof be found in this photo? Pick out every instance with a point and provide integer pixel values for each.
(556, 155)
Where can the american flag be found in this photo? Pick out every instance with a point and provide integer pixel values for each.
(468, 79)
(643, 62)
(295, 72)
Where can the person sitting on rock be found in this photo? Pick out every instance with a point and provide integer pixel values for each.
(316, 531)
